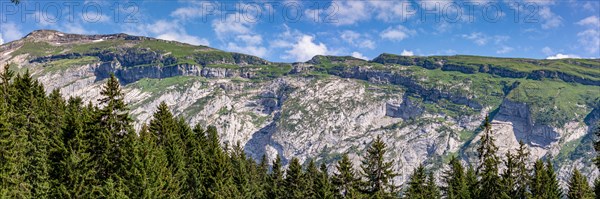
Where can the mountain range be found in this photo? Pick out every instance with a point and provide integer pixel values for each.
(426, 108)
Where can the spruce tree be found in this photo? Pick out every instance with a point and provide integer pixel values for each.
(509, 176)
(219, 182)
(431, 188)
(456, 181)
(488, 168)
(323, 187)
(294, 182)
(538, 180)
(276, 181)
(311, 176)
(522, 172)
(377, 171)
(472, 183)
(417, 188)
(345, 181)
(553, 190)
(579, 187)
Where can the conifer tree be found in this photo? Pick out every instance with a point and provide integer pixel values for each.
(472, 183)
(509, 176)
(276, 181)
(113, 123)
(553, 190)
(219, 182)
(456, 181)
(13, 145)
(579, 187)
(344, 180)
(311, 177)
(294, 182)
(417, 187)
(522, 172)
(488, 168)
(432, 189)
(539, 181)
(324, 188)
(377, 171)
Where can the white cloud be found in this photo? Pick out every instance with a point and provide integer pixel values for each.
(348, 12)
(357, 39)
(590, 21)
(551, 20)
(359, 55)
(483, 39)
(504, 50)
(407, 53)
(477, 37)
(590, 38)
(10, 31)
(547, 50)
(562, 56)
(167, 30)
(397, 33)
(305, 48)
(231, 25)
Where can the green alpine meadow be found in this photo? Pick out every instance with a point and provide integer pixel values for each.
(123, 116)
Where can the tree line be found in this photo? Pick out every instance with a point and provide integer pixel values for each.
(51, 147)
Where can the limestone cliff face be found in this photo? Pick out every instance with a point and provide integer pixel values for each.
(327, 106)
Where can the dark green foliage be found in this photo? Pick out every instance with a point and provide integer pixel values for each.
(345, 181)
(456, 181)
(579, 187)
(488, 168)
(377, 172)
(294, 181)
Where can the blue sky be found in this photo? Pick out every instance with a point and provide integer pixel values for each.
(297, 30)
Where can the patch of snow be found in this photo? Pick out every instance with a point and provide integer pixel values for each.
(98, 40)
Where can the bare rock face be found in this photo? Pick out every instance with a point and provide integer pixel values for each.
(311, 111)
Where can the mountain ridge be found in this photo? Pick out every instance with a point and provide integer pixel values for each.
(427, 108)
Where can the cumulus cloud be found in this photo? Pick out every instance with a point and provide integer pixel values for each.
(397, 33)
(504, 50)
(590, 38)
(407, 53)
(547, 50)
(482, 39)
(551, 20)
(171, 30)
(357, 39)
(562, 56)
(10, 31)
(305, 48)
(359, 55)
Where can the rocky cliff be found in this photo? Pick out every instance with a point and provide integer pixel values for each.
(426, 108)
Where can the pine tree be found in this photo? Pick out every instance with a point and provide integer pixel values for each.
(13, 145)
(345, 181)
(323, 187)
(509, 176)
(196, 163)
(522, 172)
(377, 172)
(311, 176)
(276, 181)
(472, 183)
(417, 188)
(553, 190)
(294, 182)
(538, 180)
(488, 168)
(597, 187)
(431, 188)
(579, 187)
(456, 181)
(219, 182)
(113, 123)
